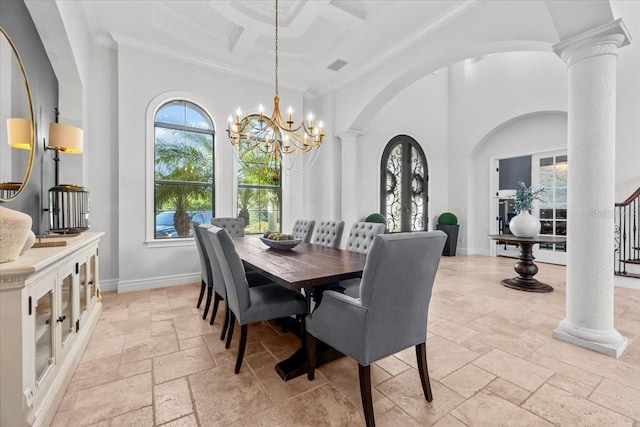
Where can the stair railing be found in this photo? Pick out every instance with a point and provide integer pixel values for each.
(627, 234)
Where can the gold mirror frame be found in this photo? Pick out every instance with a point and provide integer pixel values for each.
(32, 142)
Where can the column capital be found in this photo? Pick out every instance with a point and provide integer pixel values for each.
(605, 38)
(350, 135)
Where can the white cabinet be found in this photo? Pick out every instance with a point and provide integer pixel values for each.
(49, 306)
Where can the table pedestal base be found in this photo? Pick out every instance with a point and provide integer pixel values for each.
(529, 285)
(296, 364)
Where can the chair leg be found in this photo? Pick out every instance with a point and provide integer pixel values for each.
(203, 286)
(214, 310)
(241, 347)
(421, 355)
(225, 325)
(311, 356)
(232, 322)
(208, 303)
(364, 372)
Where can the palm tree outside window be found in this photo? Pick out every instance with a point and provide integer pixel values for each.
(259, 185)
(184, 171)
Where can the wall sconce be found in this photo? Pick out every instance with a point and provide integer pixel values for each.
(19, 133)
(65, 138)
(68, 204)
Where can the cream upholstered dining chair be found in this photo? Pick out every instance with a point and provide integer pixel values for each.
(205, 269)
(329, 233)
(303, 229)
(235, 226)
(391, 312)
(248, 305)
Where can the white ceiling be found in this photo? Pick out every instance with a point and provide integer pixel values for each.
(237, 36)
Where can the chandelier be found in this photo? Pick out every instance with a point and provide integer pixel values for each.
(273, 135)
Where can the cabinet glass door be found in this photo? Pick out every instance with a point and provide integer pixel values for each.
(93, 284)
(83, 291)
(66, 298)
(43, 334)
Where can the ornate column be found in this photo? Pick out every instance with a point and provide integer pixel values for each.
(349, 171)
(591, 61)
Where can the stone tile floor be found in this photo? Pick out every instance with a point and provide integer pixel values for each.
(152, 360)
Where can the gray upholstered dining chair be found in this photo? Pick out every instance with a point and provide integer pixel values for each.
(303, 229)
(235, 226)
(248, 305)
(329, 233)
(360, 238)
(205, 267)
(219, 288)
(391, 313)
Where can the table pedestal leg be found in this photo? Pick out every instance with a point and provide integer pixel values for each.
(526, 269)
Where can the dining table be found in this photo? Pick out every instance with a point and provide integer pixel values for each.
(309, 268)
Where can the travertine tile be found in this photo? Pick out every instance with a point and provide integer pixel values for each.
(111, 399)
(478, 330)
(322, 406)
(445, 357)
(451, 331)
(172, 400)
(138, 418)
(468, 380)
(487, 409)
(181, 363)
(514, 369)
(392, 365)
(405, 390)
(508, 391)
(221, 397)
(619, 397)
(563, 408)
(148, 348)
(188, 421)
(99, 348)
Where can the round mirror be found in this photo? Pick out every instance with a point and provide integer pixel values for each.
(17, 130)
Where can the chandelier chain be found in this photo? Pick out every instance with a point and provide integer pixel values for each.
(276, 47)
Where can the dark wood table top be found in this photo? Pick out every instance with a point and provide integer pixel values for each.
(304, 266)
(540, 238)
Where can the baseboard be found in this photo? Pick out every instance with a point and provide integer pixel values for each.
(158, 282)
(626, 282)
(109, 285)
(473, 251)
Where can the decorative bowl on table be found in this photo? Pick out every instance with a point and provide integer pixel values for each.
(280, 241)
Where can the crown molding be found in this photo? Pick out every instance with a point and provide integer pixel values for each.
(134, 43)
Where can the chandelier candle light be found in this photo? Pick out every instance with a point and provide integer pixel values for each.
(274, 135)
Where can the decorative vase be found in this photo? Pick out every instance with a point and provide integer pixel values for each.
(524, 225)
(14, 230)
(31, 239)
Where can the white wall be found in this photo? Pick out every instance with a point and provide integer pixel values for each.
(628, 105)
(483, 96)
(419, 111)
(536, 132)
(142, 77)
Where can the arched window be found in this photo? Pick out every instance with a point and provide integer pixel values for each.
(403, 185)
(183, 168)
(259, 186)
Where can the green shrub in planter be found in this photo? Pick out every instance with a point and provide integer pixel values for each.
(447, 218)
(448, 223)
(376, 217)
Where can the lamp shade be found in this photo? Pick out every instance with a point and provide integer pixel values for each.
(19, 133)
(65, 138)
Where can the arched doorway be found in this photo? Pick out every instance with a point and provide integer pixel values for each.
(404, 176)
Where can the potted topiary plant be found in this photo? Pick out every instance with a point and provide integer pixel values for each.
(448, 223)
